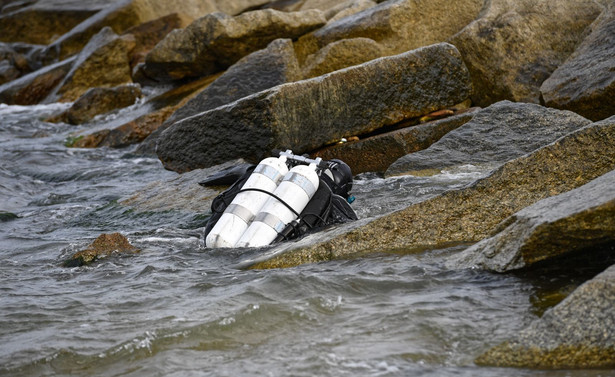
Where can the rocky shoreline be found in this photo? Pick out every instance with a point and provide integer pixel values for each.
(525, 88)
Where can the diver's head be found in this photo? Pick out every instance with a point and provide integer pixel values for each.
(340, 177)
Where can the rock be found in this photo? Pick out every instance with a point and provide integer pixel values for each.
(34, 87)
(148, 34)
(577, 333)
(104, 245)
(216, 41)
(342, 54)
(585, 83)
(348, 8)
(44, 21)
(499, 133)
(398, 26)
(472, 213)
(126, 14)
(576, 220)
(349, 102)
(106, 50)
(129, 133)
(376, 153)
(99, 101)
(180, 193)
(7, 216)
(263, 69)
(238, 6)
(515, 45)
(12, 63)
(334, 10)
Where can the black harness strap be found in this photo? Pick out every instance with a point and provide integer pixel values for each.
(273, 195)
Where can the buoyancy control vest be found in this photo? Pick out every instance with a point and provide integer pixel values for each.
(311, 195)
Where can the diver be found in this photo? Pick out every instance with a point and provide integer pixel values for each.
(281, 198)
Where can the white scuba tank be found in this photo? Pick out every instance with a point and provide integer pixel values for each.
(296, 190)
(246, 204)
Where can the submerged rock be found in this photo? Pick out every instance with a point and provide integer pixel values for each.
(576, 220)
(99, 101)
(349, 102)
(577, 333)
(377, 153)
(515, 45)
(499, 133)
(104, 245)
(216, 41)
(472, 213)
(34, 87)
(585, 83)
(106, 49)
(7, 216)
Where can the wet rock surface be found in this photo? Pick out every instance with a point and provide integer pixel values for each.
(515, 45)
(473, 213)
(99, 101)
(499, 133)
(576, 220)
(577, 333)
(349, 103)
(104, 245)
(585, 83)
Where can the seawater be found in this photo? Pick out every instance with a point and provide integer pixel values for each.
(179, 309)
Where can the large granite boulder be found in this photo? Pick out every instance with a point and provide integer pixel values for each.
(99, 101)
(468, 214)
(335, 10)
(377, 153)
(309, 114)
(274, 65)
(515, 45)
(216, 41)
(341, 54)
(577, 333)
(499, 133)
(44, 21)
(585, 83)
(258, 71)
(34, 87)
(399, 25)
(103, 62)
(576, 220)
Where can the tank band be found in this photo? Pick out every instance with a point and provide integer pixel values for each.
(301, 181)
(240, 211)
(269, 172)
(271, 220)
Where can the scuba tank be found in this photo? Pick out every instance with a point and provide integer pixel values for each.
(287, 201)
(253, 195)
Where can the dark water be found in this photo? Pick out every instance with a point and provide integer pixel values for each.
(178, 309)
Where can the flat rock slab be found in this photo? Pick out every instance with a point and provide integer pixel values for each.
(499, 133)
(577, 333)
(570, 222)
(585, 83)
(377, 153)
(309, 114)
(472, 213)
